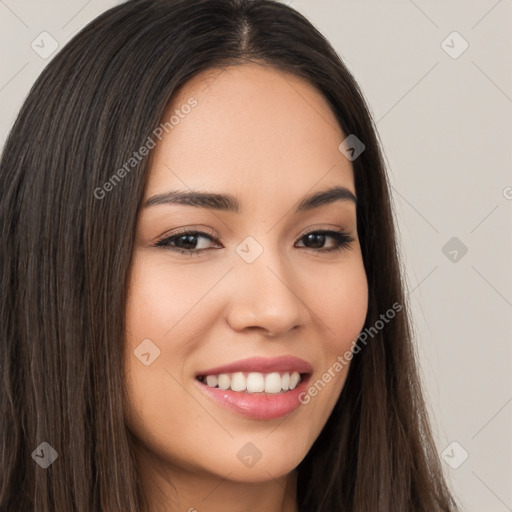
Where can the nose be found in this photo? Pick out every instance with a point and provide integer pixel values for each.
(266, 297)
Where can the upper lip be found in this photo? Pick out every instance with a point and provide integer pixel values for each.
(261, 365)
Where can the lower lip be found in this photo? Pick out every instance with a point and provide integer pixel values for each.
(262, 407)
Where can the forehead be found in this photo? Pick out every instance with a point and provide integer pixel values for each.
(252, 129)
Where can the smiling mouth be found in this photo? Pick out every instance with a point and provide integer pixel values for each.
(273, 383)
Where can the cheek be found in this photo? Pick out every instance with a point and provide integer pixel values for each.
(340, 306)
(161, 320)
(343, 304)
(156, 298)
(164, 305)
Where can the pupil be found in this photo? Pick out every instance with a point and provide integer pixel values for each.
(319, 238)
(190, 239)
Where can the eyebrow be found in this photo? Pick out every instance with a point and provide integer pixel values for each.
(229, 203)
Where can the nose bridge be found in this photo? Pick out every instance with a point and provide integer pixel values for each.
(265, 295)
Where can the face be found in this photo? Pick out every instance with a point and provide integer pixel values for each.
(272, 287)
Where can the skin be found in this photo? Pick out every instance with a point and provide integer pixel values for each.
(270, 139)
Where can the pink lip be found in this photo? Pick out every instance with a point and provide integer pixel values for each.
(262, 365)
(258, 406)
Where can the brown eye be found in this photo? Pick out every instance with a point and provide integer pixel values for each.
(316, 239)
(186, 242)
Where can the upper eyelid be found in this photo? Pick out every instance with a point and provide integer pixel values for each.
(212, 232)
(188, 231)
(214, 238)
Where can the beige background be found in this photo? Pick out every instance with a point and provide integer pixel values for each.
(446, 128)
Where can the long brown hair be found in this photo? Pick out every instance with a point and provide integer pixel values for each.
(65, 258)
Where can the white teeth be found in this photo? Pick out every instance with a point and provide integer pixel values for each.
(285, 382)
(294, 380)
(238, 382)
(273, 383)
(254, 382)
(212, 380)
(224, 381)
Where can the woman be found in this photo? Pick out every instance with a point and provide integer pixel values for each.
(202, 302)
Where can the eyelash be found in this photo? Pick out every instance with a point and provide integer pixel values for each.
(341, 238)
